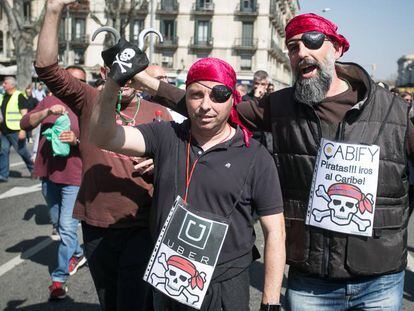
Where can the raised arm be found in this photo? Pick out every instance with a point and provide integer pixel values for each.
(47, 44)
(105, 133)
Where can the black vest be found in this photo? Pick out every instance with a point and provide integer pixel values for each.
(380, 119)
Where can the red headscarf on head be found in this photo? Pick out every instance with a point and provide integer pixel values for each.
(312, 22)
(217, 70)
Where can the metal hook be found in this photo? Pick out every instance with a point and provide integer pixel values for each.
(144, 33)
(110, 29)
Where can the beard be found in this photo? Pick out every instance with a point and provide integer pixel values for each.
(313, 90)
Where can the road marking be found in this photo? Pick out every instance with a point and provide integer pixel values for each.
(27, 254)
(15, 191)
(16, 164)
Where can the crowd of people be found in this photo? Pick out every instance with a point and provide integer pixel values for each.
(168, 183)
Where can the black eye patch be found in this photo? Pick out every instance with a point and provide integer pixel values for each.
(313, 39)
(219, 93)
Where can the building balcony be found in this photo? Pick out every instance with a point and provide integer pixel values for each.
(249, 13)
(245, 44)
(169, 43)
(140, 9)
(80, 8)
(278, 53)
(75, 41)
(167, 8)
(206, 9)
(201, 45)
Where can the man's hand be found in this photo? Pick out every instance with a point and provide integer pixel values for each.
(143, 165)
(22, 134)
(128, 61)
(68, 137)
(260, 90)
(58, 5)
(56, 110)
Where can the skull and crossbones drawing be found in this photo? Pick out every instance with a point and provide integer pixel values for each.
(123, 58)
(344, 202)
(179, 278)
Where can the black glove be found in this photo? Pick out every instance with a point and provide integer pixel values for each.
(109, 55)
(127, 62)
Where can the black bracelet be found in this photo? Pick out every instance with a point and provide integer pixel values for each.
(270, 307)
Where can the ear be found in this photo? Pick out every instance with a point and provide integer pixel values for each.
(104, 72)
(338, 50)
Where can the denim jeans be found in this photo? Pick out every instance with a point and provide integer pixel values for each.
(61, 199)
(8, 140)
(374, 293)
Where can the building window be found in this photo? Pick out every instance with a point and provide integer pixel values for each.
(203, 32)
(248, 5)
(136, 27)
(167, 60)
(79, 56)
(62, 29)
(1, 43)
(168, 30)
(168, 5)
(247, 34)
(205, 4)
(78, 29)
(27, 10)
(1, 12)
(245, 62)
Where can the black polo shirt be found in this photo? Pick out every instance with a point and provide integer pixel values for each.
(229, 180)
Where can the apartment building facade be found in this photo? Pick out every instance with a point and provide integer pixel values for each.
(249, 34)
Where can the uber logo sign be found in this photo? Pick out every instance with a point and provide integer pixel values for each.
(195, 231)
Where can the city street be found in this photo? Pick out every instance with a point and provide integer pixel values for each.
(28, 253)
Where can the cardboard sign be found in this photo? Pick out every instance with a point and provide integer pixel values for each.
(344, 188)
(185, 255)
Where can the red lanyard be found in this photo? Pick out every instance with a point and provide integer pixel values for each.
(188, 174)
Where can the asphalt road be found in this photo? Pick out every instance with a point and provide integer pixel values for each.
(28, 253)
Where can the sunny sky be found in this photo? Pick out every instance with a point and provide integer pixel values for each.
(379, 31)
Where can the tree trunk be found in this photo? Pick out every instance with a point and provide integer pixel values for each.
(24, 59)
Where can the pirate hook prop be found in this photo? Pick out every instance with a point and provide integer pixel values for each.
(124, 58)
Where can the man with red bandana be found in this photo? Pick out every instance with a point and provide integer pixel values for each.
(231, 176)
(337, 101)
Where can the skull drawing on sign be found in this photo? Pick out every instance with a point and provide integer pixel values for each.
(342, 209)
(176, 280)
(127, 55)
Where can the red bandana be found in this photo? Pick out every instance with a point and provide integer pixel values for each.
(312, 22)
(217, 70)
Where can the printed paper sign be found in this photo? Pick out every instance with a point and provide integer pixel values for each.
(344, 188)
(185, 255)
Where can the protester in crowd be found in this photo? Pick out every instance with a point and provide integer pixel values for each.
(337, 101)
(159, 73)
(114, 200)
(61, 178)
(32, 135)
(39, 91)
(408, 97)
(13, 106)
(260, 89)
(395, 90)
(242, 89)
(99, 83)
(209, 139)
(270, 88)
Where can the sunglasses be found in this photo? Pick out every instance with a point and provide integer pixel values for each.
(313, 40)
(219, 93)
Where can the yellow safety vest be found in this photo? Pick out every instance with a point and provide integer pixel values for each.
(13, 115)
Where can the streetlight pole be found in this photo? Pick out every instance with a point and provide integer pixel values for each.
(151, 47)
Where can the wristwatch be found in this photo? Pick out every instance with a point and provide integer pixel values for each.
(270, 307)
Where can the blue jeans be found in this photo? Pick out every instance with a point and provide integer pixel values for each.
(61, 199)
(8, 140)
(375, 293)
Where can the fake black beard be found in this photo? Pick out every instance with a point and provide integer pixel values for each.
(313, 90)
